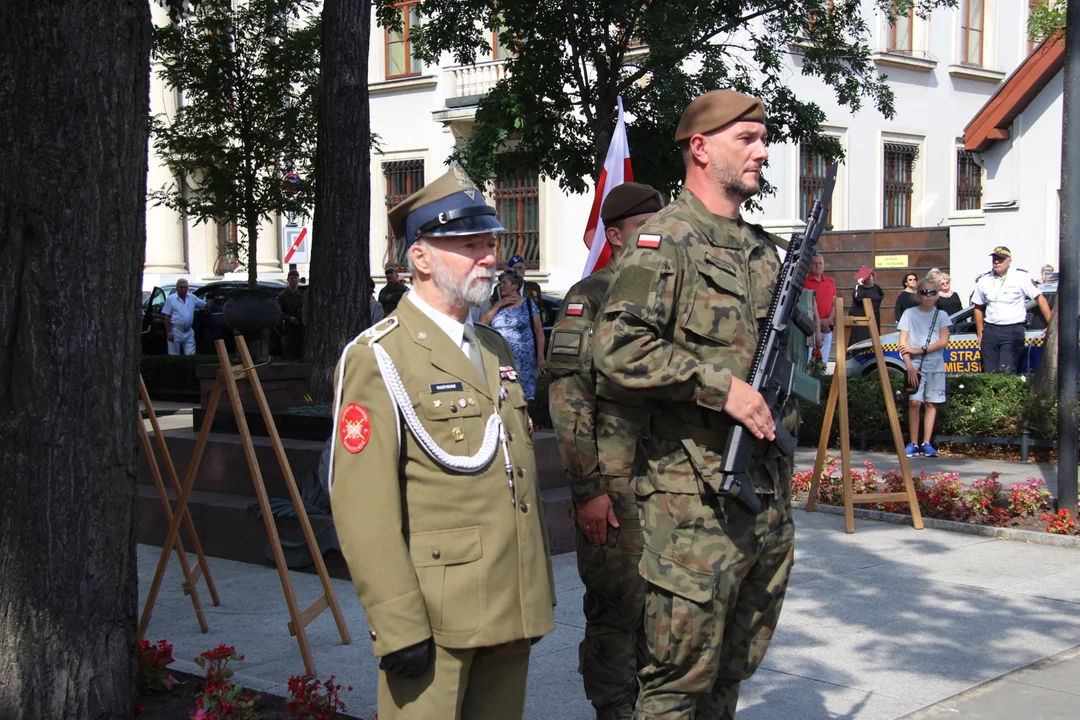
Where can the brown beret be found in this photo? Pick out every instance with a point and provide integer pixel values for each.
(449, 206)
(715, 109)
(629, 199)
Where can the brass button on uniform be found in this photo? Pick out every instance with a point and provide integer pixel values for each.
(523, 507)
(436, 554)
(453, 408)
(372, 634)
(521, 472)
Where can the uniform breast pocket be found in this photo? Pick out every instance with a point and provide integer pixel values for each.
(719, 301)
(447, 566)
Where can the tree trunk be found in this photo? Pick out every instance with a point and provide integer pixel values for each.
(340, 265)
(74, 99)
(252, 222)
(1045, 382)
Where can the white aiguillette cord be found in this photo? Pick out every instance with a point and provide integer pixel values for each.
(493, 432)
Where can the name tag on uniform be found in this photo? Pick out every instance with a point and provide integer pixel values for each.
(445, 387)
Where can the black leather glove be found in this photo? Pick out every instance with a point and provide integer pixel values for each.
(408, 661)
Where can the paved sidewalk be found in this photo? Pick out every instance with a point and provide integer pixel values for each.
(969, 468)
(877, 625)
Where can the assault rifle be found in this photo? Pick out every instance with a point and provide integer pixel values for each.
(771, 373)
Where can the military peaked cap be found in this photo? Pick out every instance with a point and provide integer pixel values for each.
(715, 109)
(1002, 251)
(449, 206)
(629, 199)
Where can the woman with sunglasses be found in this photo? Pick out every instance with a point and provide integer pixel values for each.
(924, 333)
(907, 297)
(947, 300)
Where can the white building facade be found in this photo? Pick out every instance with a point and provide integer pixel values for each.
(908, 171)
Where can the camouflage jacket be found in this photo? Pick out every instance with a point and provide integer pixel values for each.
(597, 425)
(682, 320)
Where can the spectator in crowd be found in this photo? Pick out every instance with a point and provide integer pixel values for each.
(826, 305)
(948, 300)
(1000, 300)
(924, 333)
(179, 315)
(517, 318)
(390, 296)
(866, 288)
(907, 297)
(532, 288)
(292, 313)
(377, 312)
(1047, 274)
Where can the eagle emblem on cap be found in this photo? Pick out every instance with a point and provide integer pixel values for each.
(466, 184)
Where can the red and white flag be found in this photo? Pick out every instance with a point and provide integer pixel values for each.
(616, 171)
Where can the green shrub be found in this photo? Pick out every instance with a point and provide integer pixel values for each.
(978, 405)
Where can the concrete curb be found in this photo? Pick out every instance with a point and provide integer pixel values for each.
(1036, 538)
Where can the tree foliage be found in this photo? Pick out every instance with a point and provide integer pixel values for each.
(567, 62)
(248, 78)
(1046, 19)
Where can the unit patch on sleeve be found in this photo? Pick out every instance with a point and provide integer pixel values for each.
(649, 241)
(575, 309)
(354, 427)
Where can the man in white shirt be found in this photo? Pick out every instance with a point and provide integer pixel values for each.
(1000, 300)
(179, 311)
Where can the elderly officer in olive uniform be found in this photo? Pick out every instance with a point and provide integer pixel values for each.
(599, 428)
(435, 492)
(680, 327)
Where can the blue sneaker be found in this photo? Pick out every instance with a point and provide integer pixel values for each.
(913, 450)
(928, 450)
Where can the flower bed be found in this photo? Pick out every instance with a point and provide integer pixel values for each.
(1026, 505)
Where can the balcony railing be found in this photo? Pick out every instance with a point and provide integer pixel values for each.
(476, 80)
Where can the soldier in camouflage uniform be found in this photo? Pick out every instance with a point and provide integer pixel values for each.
(599, 428)
(680, 327)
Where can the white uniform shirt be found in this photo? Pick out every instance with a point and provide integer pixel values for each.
(1005, 297)
(182, 312)
(453, 328)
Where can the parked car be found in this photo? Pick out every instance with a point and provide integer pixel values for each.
(962, 353)
(209, 324)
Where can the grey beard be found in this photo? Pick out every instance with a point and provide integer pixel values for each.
(457, 292)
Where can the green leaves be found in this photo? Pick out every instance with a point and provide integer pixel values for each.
(248, 79)
(569, 60)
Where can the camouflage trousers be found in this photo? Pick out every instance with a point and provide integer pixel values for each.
(717, 578)
(614, 645)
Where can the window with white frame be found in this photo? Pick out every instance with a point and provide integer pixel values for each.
(901, 32)
(968, 181)
(973, 32)
(898, 188)
(400, 61)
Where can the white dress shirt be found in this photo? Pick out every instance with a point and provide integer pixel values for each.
(454, 329)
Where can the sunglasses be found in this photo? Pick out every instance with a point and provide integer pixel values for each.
(928, 292)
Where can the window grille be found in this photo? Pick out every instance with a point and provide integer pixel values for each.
(228, 248)
(517, 202)
(968, 182)
(403, 178)
(812, 167)
(898, 186)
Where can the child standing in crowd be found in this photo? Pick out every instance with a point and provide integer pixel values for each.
(924, 333)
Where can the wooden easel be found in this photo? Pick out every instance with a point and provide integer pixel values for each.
(227, 377)
(838, 396)
(190, 577)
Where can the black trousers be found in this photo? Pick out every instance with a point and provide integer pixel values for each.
(1002, 348)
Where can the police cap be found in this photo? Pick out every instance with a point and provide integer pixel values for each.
(715, 109)
(1002, 251)
(448, 207)
(629, 199)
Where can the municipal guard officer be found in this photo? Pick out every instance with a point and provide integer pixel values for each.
(599, 428)
(1000, 300)
(435, 492)
(680, 327)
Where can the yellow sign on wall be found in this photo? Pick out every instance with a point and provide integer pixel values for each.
(891, 261)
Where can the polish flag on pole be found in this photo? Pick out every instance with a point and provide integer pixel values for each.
(616, 171)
